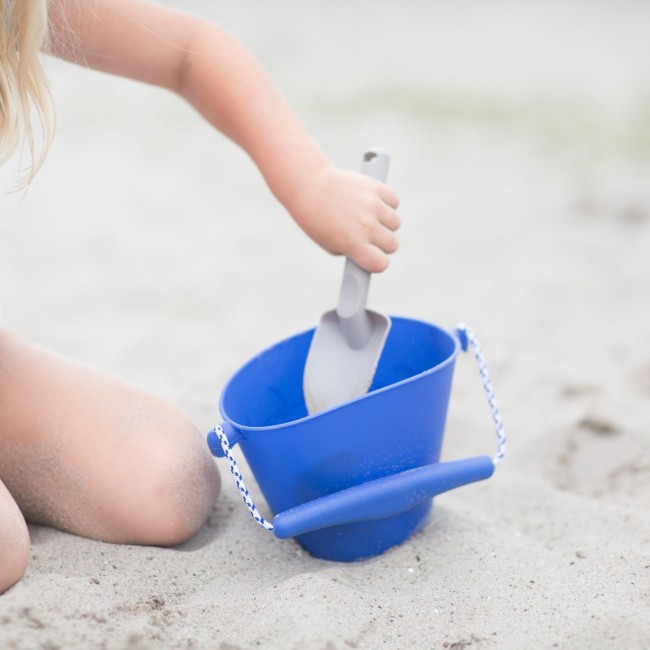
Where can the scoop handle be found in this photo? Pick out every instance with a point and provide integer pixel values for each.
(382, 497)
(351, 310)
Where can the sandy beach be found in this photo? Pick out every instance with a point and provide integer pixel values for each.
(150, 247)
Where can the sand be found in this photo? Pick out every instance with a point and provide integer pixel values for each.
(149, 247)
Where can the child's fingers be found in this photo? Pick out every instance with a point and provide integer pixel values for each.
(388, 196)
(390, 219)
(385, 239)
(373, 255)
(370, 258)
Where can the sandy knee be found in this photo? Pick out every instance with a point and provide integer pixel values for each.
(189, 485)
(14, 541)
(196, 485)
(99, 457)
(176, 485)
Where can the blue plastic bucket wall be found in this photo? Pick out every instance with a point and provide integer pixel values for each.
(397, 425)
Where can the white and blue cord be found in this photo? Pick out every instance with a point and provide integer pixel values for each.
(239, 479)
(489, 392)
(492, 403)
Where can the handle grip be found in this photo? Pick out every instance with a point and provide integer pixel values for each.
(351, 310)
(383, 497)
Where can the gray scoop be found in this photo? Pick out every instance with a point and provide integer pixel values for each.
(349, 340)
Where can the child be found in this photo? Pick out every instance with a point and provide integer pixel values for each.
(85, 452)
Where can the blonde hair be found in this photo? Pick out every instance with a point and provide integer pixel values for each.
(25, 100)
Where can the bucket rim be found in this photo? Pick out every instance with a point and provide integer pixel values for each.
(290, 423)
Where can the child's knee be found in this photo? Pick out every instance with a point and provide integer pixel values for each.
(105, 459)
(189, 484)
(177, 484)
(14, 541)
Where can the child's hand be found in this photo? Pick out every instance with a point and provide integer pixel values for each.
(350, 214)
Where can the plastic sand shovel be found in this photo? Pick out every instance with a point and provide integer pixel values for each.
(348, 343)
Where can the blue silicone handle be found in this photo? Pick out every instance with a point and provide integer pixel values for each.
(383, 497)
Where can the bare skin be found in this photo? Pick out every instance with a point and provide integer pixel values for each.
(14, 541)
(90, 454)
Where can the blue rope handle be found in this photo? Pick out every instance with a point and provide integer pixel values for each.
(466, 335)
(239, 479)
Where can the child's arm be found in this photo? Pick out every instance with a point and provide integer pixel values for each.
(344, 212)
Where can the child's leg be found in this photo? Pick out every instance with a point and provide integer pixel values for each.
(92, 455)
(14, 541)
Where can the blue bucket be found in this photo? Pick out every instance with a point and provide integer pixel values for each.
(350, 482)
